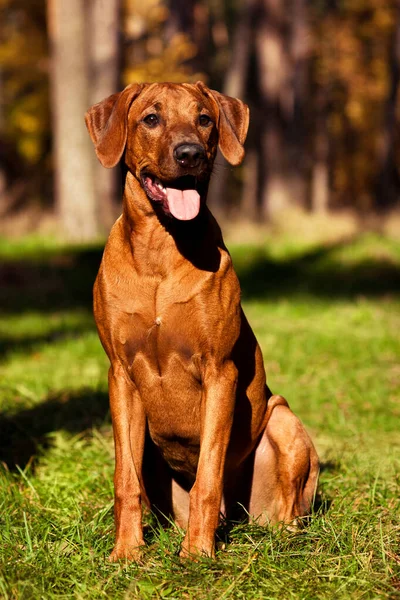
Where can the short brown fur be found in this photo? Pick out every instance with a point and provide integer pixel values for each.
(197, 431)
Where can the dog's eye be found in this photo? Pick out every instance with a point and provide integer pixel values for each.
(204, 120)
(151, 120)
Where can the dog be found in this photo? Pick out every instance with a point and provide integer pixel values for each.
(197, 431)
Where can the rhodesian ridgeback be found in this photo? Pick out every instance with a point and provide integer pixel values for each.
(197, 431)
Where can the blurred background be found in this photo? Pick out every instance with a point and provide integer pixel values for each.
(312, 221)
(321, 78)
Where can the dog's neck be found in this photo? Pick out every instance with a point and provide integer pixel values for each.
(163, 241)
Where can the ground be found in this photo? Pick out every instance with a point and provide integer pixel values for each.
(328, 320)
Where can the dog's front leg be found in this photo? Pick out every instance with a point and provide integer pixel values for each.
(129, 426)
(218, 404)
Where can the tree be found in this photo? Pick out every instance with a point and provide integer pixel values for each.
(234, 85)
(272, 100)
(74, 173)
(104, 70)
(24, 122)
(299, 130)
(269, 69)
(388, 181)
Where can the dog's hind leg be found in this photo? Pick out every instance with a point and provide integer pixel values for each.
(167, 499)
(180, 504)
(285, 470)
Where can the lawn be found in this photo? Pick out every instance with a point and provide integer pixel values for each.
(328, 320)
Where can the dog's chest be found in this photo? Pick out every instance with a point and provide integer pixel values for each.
(158, 336)
(160, 324)
(155, 339)
(165, 364)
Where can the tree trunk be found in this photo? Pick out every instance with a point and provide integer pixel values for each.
(235, 86)
(388, 179)
(299, 127)
(104, 44)
(180, 18)
(73, 154)
(275, 102)
(3, 178)
(320, 188)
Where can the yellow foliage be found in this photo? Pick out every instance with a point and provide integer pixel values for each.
(352, 50)
(168, 66)
(23, 53)
(161, 59)
(30, 148)
(355, 111)
(28, 123)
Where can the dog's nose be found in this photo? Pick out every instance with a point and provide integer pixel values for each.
(189, 155)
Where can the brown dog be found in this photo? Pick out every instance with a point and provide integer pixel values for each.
(197, 431)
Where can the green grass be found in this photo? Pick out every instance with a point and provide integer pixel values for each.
(328, 320)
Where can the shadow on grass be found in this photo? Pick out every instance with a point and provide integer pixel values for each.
(64, 280)
(320, 274)
(25, 437)
(29, 344)
(24, 434)
(60, 281)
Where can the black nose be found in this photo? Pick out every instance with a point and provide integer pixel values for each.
(189, 155)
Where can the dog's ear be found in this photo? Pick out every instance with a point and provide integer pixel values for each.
(107, 123)
(233, 123)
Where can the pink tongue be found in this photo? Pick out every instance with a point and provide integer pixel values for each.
(183, 204)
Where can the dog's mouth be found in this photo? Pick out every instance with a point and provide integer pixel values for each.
(179, 197)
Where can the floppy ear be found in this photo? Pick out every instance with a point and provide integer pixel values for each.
(107, 123)
(233, 123)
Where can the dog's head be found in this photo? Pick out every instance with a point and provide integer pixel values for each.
(168, 135)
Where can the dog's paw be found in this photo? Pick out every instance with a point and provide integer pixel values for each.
(124, 552)
(196, 551)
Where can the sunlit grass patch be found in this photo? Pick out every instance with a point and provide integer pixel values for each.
(329, 331)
